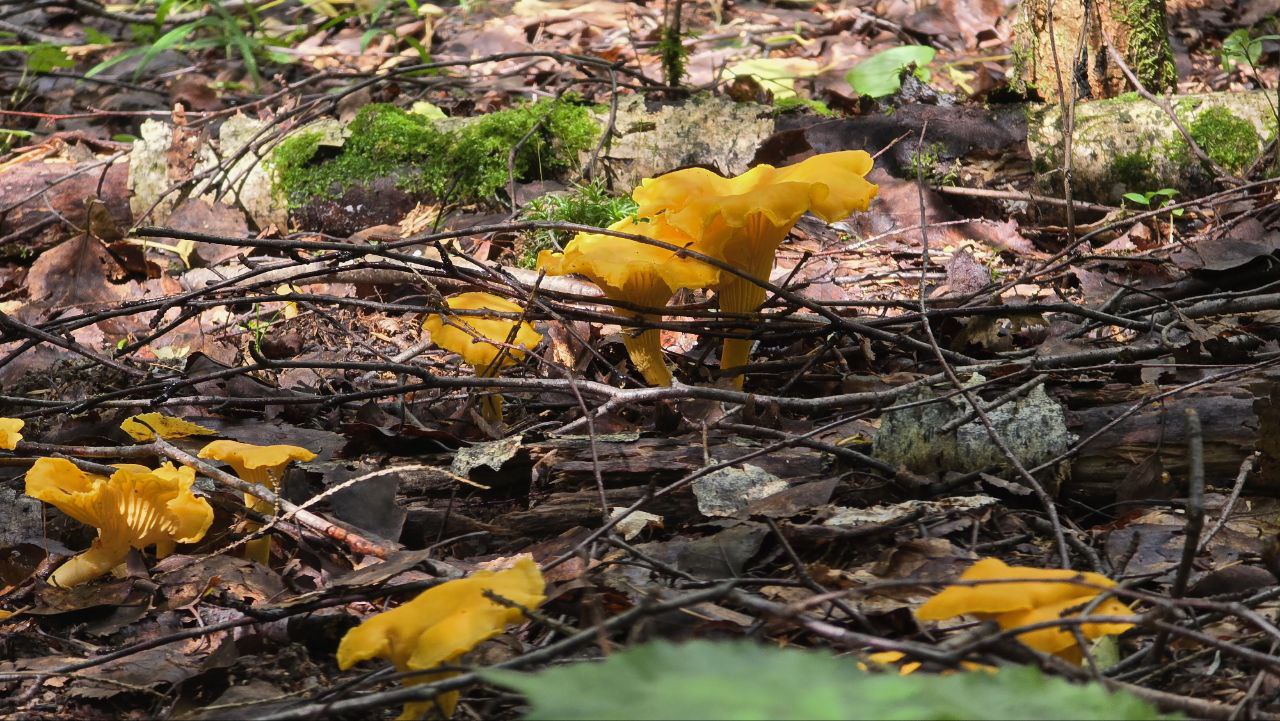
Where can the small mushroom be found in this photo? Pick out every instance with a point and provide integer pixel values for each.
(742, 220)
(136, 507)
(10, 432)
(635, 273)
(263, 465)
(486, 343)
(1024, 596)
(443, 623)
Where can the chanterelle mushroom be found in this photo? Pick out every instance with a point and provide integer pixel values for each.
(742, 220)
(443, 623)
(1024, 596)
(136, 507)
(636, 273)
(482, 340)
(263, 465)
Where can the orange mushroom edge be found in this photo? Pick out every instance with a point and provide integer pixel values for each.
(1016, 596)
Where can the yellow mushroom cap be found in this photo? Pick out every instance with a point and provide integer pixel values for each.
(136, 506)
(471, 345)
(1033, 588)
(710, 208)
(247, 456)
(839, 180)
(631, 271)
(9, 432)
(1058, 639)
(444, 622)
(1030, 595)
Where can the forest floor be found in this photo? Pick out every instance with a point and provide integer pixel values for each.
(1120, 351)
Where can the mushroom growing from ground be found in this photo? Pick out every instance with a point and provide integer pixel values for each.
(486, 343)
(263, 465)
(632, 272)
(1019, 596)
(443, 623)
(136, 507)
(743, 220)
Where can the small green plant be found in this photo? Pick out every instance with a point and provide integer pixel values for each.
(589, 204)
(7, 138)
(1243, 48)
(672, 51)
(1154, 199)
(218, 28)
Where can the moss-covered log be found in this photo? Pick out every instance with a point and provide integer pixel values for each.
(1130, 145)
(1079, 32)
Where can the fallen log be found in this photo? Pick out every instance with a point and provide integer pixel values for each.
(1237, 418)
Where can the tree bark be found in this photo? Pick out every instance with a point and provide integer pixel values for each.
(1062, 43)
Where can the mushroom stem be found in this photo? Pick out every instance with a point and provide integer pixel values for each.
(645, 349)
(99, 560)
(739, 295)
(259, 549)
(490, 403)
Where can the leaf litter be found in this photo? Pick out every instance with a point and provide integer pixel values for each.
(166, 275)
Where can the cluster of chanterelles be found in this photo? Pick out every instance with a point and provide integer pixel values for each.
(682, 218)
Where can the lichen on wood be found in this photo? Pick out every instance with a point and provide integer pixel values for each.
(1034, 426)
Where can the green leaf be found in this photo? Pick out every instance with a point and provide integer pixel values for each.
(92, 36)
(44, 58)
(423, 54)
(880, 74)
(743, 680)
(1138, 198)
(777, 75)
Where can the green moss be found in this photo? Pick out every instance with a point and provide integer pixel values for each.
(673, 53)
(797, 103)
(464, 162)
(930, 163)
(1229, 140)
(1132, 170)
(1149, 53)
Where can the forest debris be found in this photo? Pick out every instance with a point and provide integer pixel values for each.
(369, 505)
(21, 519)
(202, 215)
(634, 523)
(723, 554)
(895, 512)
(491, 454)
(729, 491)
